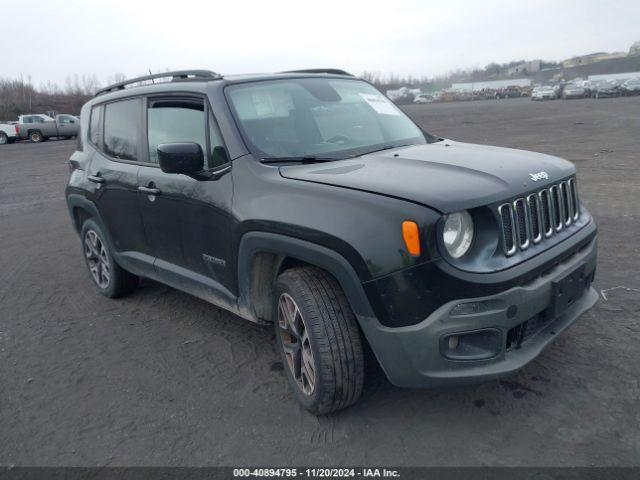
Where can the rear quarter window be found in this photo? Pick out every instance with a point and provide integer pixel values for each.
(95, 125)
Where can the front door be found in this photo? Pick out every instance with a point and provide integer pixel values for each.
(186, 218)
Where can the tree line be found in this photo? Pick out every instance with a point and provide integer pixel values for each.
(19, 96)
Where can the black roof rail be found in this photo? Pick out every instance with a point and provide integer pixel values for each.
(329, 71)
(176, 76)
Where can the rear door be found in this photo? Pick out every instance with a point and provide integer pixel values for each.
(115, 132)
(186, 218)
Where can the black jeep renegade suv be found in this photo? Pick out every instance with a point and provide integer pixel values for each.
(308, 200)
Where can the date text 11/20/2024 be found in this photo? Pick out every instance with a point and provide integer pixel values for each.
(316, 472)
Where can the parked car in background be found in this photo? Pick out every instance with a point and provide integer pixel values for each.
(508, 92)
(8, 133)
(630, 87)
(39, 127)
(423, 98)
(605, 88)
(525, 91)
(588, 86)
(571, 90)
(543, 93)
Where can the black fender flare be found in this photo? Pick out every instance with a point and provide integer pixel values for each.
(255, 242)
(75, 200)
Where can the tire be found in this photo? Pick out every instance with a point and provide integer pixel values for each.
(36, 136)
(111, 280)
(4, 139)
(325, 336)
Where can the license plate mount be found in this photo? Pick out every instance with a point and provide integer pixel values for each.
(567, 290)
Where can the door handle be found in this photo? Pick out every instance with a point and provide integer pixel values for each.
(95, 179)
(149, 190)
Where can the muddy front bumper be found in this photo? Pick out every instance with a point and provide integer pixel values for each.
(477, 339)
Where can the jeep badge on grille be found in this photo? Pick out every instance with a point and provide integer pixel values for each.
(539, 176)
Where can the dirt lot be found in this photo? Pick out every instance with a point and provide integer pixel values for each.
(161, 378)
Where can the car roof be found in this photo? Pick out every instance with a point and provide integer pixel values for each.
(197, 84)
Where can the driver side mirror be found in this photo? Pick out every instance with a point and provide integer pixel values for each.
(184, 157)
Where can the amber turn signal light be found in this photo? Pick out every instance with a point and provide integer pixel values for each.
(411, 236)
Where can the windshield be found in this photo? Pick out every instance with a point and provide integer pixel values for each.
(320, 117)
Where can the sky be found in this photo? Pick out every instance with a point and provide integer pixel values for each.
(57, 39)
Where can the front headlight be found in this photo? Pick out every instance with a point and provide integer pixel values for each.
(458, 233)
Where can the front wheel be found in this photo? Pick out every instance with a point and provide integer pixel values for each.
(318, 339)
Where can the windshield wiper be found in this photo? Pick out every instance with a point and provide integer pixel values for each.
(301, 158)
(386, 147)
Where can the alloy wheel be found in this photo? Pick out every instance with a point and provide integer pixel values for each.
(295, 343)
(97, 259)
(3, 139)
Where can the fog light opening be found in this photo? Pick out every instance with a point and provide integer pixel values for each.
(453, 342)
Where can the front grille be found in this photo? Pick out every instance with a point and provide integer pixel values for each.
(528, 220)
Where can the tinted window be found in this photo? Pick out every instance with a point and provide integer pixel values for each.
(94, 124)
(121, 129)
(175, 120)
(27, 120)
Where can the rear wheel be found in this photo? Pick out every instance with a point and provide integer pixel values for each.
(4, 139)
(36, 136)
(112, 280)
(319, 340)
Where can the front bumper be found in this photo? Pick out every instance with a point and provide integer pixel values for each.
(413, 356)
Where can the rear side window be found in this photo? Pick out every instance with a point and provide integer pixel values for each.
(95, 123)
(27, 120)
(121, 124)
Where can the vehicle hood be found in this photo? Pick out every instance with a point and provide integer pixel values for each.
(446, 175)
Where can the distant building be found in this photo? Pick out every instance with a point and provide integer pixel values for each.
(525, 68)
(591, 58)
(490, 85)
(635, 49)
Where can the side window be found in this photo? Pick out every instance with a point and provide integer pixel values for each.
(121, 120)
(38, 119)
(27, 120)
(95, 124)
(218, 152)
(172, 120)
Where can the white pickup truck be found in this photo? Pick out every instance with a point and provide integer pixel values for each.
(8, 133)
(39, 127)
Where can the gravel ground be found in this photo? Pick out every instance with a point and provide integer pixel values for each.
(162, 378)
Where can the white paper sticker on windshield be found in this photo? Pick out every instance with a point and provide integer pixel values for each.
(380, 104)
